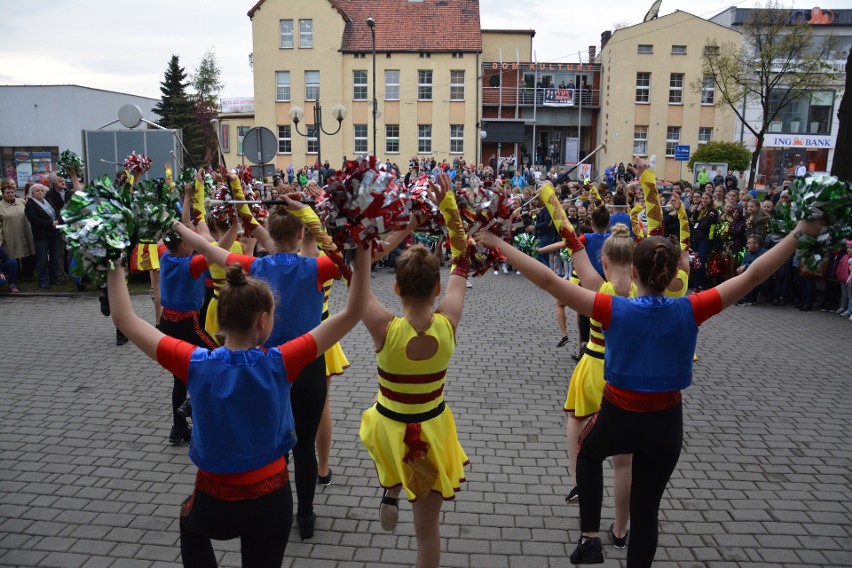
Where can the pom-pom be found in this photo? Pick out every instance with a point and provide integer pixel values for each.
(483, 207)
(422, 205)
(69, 161)
(186, 176)
(565, 254)
(224, 212)
(527, 244)
(137, 164)
(825, 198)
(104, 221)
(694, 260)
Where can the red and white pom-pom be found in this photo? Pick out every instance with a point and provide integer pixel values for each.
(243, 173)
(137, 164)
(484, 207)
(223, 212)
(422, 204)
(360, 204)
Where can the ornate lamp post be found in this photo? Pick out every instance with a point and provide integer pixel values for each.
(297, 115)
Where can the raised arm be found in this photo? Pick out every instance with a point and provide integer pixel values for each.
(144, 335)
(213, 254)
(452, 305)
(762, 268)
(333, 329)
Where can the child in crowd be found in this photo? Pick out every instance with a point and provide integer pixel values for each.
(754, 250)
(243, 418)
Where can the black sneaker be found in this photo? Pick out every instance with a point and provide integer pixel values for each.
(306, 525)
(180, 434)
(618, 542)
(120, 338)
(588, 551)
(185, 409)
(324, 480)
(573, 495)
(104, 300)
(562, 341)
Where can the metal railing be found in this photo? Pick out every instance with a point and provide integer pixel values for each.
(510, 96)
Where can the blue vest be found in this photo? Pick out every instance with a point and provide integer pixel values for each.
(659, 361)
(298, 301)
(240, 409)
(179, 291)
(622, 218)
(594, 246)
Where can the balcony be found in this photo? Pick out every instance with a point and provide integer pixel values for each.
(550, 97)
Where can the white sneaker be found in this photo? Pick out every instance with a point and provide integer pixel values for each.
(496, 272)
(469, 284)
(846, 314)
(839, 311)
(505, 270)
(518, 272)
(850, 318)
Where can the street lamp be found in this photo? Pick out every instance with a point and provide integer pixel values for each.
(297, 115)
(372, 24)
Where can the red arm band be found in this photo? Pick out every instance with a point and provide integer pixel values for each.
(326, 270)
(705, 305)
(602, 311)
(297, 353)
(161, 249)
(197, 265)
(243, 259)
(582, 239)
(173, 354)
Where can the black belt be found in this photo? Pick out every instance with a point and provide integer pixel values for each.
(595, 354)
(411, 418)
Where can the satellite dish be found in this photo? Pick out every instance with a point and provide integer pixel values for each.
(130, 116)
(654, 11)
(260, 145)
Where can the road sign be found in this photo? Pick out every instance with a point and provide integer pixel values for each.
(682, 153)
(260, 145)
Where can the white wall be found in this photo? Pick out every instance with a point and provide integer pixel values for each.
(56, 115)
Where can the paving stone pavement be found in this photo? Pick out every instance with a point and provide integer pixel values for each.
(88, 480)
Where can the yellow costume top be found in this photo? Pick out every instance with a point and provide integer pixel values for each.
(684, 280)
(217, 275)
(596, 337)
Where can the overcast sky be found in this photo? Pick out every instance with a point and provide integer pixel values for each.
(125, 46)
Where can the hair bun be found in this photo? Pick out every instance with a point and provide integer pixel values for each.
(235, 275)
(620, 230)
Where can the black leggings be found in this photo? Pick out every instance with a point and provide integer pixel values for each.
(189, 330)
(262, 525)
(307, 397)
(654, 439)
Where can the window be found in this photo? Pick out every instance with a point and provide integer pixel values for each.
(306, 34)
(644, 48)
(676, 88)
(312, 85)
(359, 85)
(424, 138)
(640, 140)
(705, 134)
(457, 139)
(708, 91)
(360, 138)
(241, 135)
(672, 139)
(678, 50)
(282, 86)
(710, 50)
(424, 85)
(392, 84)
(286, 41)
(285, 142)
(810, 113)
(457, 85)
(313, 142)
(392, 138)
(643, 87)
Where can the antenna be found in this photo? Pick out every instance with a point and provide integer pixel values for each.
(653, 12)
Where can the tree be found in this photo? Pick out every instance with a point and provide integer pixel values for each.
(207, 84)
(842, 168)
(735, 154)
(777, 62)
(176, 107)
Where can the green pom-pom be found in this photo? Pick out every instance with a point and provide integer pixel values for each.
(526, 243)
(68, 160)
(825, 198)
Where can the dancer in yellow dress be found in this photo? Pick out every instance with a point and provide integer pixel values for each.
(410, 432)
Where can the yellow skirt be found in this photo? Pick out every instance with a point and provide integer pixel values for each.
(586, 388)
(146, 257)
(211, 324)
(335, 361)
(383, 438)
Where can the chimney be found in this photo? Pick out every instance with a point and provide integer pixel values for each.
(592, 52)
(605, 38)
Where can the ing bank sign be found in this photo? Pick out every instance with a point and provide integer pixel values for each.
(792, 141)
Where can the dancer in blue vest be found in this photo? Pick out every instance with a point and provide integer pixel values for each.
(645, 372)
(297, 282)
(243, 417)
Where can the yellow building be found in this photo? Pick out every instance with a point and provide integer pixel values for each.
(649, 105)
(311, 53)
